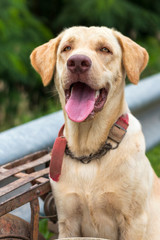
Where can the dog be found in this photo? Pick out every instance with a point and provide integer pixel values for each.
(106, 187)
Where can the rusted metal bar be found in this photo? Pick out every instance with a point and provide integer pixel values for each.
(28, 158)
(29, 171)
(21, 199)
(12, 236)
(21, 175)
(34, 218)
(20, 182)
(23, 167)
(38, 180)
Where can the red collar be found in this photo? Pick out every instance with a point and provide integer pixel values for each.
(116, 134)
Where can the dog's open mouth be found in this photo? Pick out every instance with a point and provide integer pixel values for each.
(83, 101)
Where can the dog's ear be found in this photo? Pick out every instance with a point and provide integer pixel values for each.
(43, 59)
(135, 57)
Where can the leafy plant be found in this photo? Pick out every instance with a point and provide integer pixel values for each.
(154, 157)
(132, 17)
(43, 228)
(20, 33)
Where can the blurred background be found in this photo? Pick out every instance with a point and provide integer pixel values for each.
(25, 24)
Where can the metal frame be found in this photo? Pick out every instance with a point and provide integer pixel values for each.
(24, 171)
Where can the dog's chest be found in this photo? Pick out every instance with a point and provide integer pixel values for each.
(86, 194)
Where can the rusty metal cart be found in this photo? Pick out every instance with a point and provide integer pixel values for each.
(32, 169)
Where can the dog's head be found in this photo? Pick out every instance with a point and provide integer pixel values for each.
(90, 65)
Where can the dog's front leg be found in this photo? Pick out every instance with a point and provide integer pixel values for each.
(69, 227)
(69, 215)
(133, 228)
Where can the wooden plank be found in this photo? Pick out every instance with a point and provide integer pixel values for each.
(21, 199)
(20, 182)
(28, 165)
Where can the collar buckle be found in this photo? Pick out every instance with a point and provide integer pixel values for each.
(116, 134)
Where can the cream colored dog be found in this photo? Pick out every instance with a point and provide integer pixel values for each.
(116, 196)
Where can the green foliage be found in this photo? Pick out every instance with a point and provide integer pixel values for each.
(152, 45)
(20, 33)
(154, 157)
(43, 228)
(128, 16)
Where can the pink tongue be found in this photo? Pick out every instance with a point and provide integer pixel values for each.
(81, 102)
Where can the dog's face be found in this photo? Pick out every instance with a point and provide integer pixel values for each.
(86, 60)
(90, 66)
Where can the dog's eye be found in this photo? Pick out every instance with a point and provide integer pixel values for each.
(68, 48)
(106, 50)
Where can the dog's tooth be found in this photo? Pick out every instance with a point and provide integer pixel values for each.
(97, 93)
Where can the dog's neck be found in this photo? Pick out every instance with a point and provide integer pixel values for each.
(87, 137)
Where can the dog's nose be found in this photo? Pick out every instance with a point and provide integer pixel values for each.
(79, 63)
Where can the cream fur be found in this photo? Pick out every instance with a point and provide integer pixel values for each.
(118, 196)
